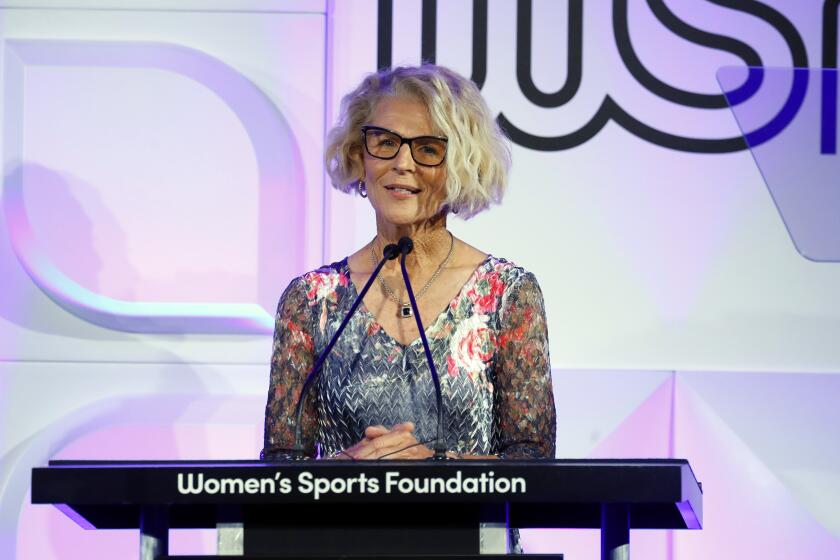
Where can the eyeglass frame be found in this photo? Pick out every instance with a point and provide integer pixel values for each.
(408, 141)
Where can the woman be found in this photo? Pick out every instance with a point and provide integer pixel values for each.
(419, 143)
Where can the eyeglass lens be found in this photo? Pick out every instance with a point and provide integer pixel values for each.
(426, 150)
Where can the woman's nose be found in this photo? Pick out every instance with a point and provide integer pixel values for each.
(403, 160)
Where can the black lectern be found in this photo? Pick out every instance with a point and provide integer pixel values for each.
(385, 509)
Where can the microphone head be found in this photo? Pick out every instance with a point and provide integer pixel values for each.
(391, 251)
(406, 245)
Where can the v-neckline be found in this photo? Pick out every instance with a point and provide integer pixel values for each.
(364, 309)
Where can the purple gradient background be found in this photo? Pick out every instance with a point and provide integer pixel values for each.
(802, 181)
(106, 354)
(279, 176)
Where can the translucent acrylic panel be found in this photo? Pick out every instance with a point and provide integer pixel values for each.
(790, 127)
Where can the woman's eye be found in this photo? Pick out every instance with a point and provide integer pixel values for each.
(431, 150)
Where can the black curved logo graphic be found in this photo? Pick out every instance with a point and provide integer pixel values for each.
(828, 122)
(609, 109)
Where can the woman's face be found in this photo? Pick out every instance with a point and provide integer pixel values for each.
(401, 191)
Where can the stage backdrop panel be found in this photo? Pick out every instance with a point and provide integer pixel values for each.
(653, 250)
(163, 181)
(162, 184)
(162, 175)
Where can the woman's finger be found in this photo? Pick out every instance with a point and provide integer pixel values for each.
(404, 427)
(372, 432)
(411, 452)
(379, 441)
(383, 445)
(394, 438)
(380, 430)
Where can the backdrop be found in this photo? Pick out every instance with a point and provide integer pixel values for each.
(675, 191)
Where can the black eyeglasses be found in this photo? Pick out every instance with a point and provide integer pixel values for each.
(385, 144)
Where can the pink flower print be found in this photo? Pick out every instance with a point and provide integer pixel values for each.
(451, 368)
(373, 328)
(470, 348)
(485, 304)
(322, 320)
(322, 286)
(486, 292)
(299, 340)
(497, 286)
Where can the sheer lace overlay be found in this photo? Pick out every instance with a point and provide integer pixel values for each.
(490, 348)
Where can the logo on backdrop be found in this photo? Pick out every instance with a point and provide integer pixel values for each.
(610, 109)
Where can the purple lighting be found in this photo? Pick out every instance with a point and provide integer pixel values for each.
(797, 170)
(280, 203)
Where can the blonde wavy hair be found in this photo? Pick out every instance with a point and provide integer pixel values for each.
(477, 154)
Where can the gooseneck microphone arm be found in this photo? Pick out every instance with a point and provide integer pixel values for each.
(389, 253)
(405, 247)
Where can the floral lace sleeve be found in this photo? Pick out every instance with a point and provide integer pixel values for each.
(523, 394)
(291, 359)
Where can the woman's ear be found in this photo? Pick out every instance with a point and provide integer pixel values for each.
(357, 163)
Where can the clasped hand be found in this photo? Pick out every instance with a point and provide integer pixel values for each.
(383, 443)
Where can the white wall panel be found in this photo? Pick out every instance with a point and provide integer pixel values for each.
(269, 6)
(113, 411)
(668, 268)
(154, 183)
(649, 257)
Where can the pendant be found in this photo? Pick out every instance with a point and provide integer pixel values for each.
(405, 311)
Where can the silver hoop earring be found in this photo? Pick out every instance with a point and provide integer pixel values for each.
(361, 189)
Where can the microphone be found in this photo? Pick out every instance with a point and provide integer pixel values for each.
(389, 253)
(406, 245)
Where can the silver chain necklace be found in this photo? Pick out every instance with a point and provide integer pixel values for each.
(405, 307)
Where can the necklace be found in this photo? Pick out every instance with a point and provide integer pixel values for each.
(405, 306)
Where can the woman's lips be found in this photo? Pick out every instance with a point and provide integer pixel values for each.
(401, 192)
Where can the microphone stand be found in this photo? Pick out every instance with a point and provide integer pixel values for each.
(389, 253)
(405, 247)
